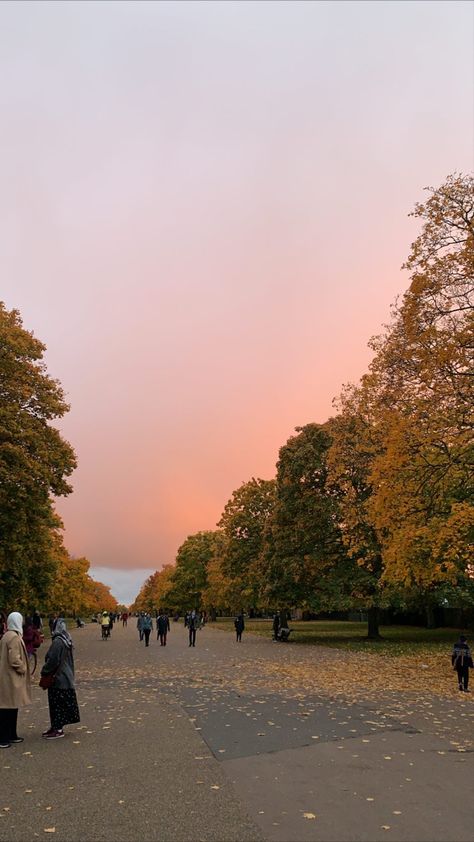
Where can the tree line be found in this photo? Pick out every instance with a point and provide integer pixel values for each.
(374, 508)
(36, 571)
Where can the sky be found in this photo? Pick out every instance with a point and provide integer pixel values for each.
(203, 215)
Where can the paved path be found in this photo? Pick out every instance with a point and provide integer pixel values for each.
(197, 744)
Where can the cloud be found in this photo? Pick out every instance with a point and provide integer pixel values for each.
(124, 584)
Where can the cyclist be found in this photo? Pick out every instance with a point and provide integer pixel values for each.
(105, 623)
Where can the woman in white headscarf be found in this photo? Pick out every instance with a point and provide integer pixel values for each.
(59, 665)
(15, 682)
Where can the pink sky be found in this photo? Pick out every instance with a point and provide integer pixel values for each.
(203, 215)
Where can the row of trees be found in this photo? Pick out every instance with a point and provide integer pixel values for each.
(374, 508)
(35, 466)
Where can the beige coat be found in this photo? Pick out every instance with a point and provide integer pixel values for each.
(15, 681)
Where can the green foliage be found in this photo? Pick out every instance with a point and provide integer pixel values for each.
(243, 523)
(35, 462)
(189, 579)
(303, 562)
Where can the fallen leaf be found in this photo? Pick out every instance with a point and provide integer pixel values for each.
(309, 815)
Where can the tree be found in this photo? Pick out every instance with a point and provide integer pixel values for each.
(155, 593)
(189, 579)
(356, 441)
(424, 477)
(35, 462)
(243, 524)
(302, 555)
(221, 591)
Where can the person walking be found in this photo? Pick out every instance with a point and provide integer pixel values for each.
(58, 672)
(192, 626)
(140, 625)
(276, 625)
(37, 621)
(147, 628)
(15, 680)
(124, 619)
(239, 626)
(163, 627)
(32, 640)
(461, 659)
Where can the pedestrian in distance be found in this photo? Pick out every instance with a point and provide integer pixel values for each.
(37, 620)
(163, 627)
(192, 627)
(239, 626)
(147, 628)
(57, 676)
(140, 625)
(105, 625)
(15, 681)
(461, 660)
(276, 625)
(124, 619)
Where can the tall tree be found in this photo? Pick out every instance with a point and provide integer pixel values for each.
(302, 555)
(423, 507)
(356, 441)
(189, 579)
(243, 524)
(35, 462)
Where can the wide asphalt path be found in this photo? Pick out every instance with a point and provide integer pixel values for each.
(207, 743)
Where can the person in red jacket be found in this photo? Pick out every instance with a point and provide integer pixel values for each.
(31, 639)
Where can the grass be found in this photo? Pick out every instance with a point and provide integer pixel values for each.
(396, 640)
(70, 624)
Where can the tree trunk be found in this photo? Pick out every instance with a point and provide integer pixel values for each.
(373, 623)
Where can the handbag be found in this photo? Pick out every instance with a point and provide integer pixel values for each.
(47, 681)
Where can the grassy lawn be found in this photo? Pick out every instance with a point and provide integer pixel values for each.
(70, 623)
(396, 640)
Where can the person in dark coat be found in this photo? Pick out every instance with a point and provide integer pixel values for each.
(62, 699)
(37, 620)
(239, 627)
(163, 627)
(276, 625)
(461, 660)
(192, 626)
(147, 628)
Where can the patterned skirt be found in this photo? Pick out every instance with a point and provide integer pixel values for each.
(63, 707)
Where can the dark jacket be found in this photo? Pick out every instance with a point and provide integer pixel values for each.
(163, 624)
(59, 657)
(239, 624)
